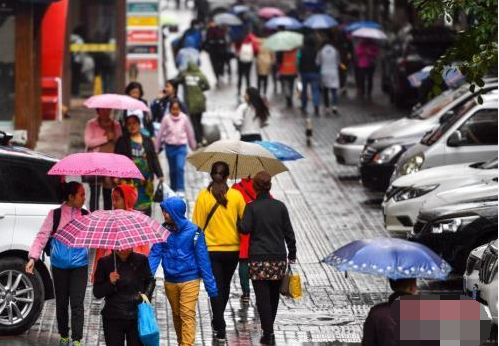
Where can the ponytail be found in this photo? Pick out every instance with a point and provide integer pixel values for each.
(70, 189)
(218, 186)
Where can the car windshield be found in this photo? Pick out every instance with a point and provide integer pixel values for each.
(435, 134)
(437, 103)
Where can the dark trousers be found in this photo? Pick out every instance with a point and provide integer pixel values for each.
(223, 265)
(312, 79)
(217, 63)
(95, 196)
(243, 71)
(251, 138)
(244, 275)
(262, 83)
(366, 75)
(267, 302)
(70, 286)
(288, 86)
(116, 331)
(197, 126)
(334, 96)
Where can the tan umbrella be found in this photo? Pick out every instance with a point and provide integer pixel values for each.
(244, 159)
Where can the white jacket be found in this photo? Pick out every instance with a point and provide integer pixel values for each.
(246, 122)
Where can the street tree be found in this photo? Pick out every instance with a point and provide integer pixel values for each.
(474, 50)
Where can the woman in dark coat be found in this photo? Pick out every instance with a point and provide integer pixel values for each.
(121, 280)
(267, 221)
(140, 149)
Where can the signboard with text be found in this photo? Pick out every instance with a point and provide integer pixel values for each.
(142, 36)
(142, 49)
(143, 64)
(142, 7)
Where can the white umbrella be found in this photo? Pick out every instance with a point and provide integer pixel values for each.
(227, 19)
(244, 159)
(371, 33)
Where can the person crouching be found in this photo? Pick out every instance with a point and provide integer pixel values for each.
(185, 260)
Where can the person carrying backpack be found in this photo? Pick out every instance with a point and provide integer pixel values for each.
(69, 265)
(185, 260)
(246, 50)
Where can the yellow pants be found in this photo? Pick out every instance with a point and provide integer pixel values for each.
(183, 297)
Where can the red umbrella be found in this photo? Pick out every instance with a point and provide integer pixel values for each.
(112, 229)
(269, 12)
(95, 163)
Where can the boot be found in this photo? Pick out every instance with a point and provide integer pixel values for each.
(267, 339)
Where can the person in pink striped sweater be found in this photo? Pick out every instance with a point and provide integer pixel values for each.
(176, 134)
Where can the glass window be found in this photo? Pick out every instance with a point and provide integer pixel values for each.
(480, 129)
(28, 182)
(7, 57)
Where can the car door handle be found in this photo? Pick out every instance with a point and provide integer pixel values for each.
(2, 216)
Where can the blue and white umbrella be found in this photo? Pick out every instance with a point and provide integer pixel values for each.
(283, 152)
(362, 24)
(289, 23)
(389, 257)
(320, 21)
(417, 78)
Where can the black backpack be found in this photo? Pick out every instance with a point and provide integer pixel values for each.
(55, 225)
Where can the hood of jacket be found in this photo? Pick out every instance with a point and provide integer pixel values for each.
(176, 208)
(129, 195)
(193, 67)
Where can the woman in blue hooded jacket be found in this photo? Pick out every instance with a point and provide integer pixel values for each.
(185, 260)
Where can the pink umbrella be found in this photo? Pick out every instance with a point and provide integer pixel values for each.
(104, 164)
(115, 101)
(112, 229)
(269, 12)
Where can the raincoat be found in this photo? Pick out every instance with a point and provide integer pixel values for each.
(184, 256)
(195, 83)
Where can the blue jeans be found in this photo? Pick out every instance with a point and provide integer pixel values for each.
(313, 79)
(176, 154)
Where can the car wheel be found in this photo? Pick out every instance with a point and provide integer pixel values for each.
(21, 296)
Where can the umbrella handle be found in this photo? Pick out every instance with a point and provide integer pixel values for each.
(114, 257)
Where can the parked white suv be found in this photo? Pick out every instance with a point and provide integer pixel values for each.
(27, 194)
(487, 280)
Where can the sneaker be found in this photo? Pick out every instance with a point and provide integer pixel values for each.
(64, 342)
(268, 339)
(220, 337)
(335, 110)
(245, 298)
(76, 343)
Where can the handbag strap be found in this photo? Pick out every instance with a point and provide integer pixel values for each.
(212, 211)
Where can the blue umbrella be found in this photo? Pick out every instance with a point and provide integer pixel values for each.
(320, 21)
(286, 22)
(362, 24)
(389, 257)
(281, 151)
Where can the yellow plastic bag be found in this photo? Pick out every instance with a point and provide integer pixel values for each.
(291, 284)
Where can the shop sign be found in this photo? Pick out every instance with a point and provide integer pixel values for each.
(142, 7)
(143, 64)
(142, 21)
(142, 36)
(142, 49)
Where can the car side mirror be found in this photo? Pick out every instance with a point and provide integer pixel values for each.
(446, 116)
(455, 139)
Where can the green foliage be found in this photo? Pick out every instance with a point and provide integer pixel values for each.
(475, 48)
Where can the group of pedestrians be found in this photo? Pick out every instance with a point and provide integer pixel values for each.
(225, 231)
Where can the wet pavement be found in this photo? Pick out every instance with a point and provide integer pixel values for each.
(328, 208)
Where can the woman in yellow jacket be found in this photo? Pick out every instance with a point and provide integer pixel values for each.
(217, 211)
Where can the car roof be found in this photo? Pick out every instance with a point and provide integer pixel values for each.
(22, 152)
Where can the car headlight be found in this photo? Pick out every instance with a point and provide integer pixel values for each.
(343, 138)
(413, 192)
(387, 154)
(413, 165)
(452, 225)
